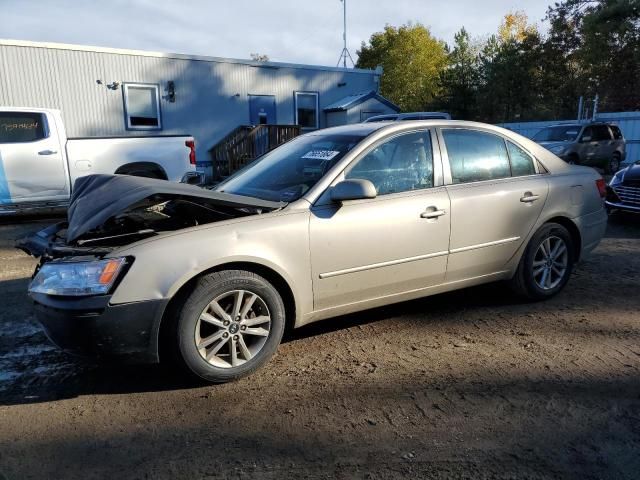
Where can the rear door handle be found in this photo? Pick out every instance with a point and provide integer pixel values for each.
(432, 212)
(47, 152)
(529, 197)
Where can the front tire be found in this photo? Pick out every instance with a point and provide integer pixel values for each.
(546, 265)
(230, 325)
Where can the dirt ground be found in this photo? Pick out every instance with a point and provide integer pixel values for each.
(472, 384)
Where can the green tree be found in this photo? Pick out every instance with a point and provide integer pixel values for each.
(510, 74)
(563, 72)
(515, 27)
(412, 61)
(603, 48)
(460, 78)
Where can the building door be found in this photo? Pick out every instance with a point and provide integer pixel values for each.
(262, 109)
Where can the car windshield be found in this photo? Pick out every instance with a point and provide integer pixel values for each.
(289, 171)
(558, 134)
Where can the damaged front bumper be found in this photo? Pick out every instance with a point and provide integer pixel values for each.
(50, 243)
(106, 213)
(91, 326)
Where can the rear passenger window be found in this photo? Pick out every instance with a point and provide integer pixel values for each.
(475, 156)
(600, 133)
(521, 161)
(19, 127)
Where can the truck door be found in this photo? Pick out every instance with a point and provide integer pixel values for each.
(31, 158)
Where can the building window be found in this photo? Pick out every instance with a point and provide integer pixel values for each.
(142, 106)
(307, 107)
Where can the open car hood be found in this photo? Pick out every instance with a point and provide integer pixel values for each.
(108, 211)
(98, 198)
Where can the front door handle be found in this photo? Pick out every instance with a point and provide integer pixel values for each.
(529, 197)
(432, 212)
(47, 152)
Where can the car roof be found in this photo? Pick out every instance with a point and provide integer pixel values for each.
(580, 125)
(351, 129)
(568, 125)
(365, 129)
(411, 114)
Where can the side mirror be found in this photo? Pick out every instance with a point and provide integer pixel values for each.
(354, 189)
(586, 139)
(193, 178)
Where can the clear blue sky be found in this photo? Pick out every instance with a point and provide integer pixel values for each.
(301, 31)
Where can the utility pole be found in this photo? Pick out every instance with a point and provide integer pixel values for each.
(595, 106)
(580, 107)
(345, 51)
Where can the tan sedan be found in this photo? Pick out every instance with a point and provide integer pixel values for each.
(332, 222)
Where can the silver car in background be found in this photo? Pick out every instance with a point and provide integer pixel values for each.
(409, 116)
(593, 144)
(332, 222)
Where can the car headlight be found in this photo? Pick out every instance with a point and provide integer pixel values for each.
(617, 178)
(557, 149)
(77, 278)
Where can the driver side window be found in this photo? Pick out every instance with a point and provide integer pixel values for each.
(401, 164)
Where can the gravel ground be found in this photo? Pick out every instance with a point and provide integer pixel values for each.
(471, 384)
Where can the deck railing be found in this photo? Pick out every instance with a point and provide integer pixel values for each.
(246, 143)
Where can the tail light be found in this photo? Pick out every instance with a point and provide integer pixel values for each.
(192, 151)
(602, 187)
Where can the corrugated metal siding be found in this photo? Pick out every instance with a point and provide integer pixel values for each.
(354, 115)
(206, 104)
(629, 123)
(335, 119)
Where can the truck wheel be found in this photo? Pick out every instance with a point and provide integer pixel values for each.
(230, 325)
(142, 169)
(614, 164)
(145, 174)
(546, 265)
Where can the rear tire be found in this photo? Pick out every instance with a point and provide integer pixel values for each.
(546, 265)
(229, 326)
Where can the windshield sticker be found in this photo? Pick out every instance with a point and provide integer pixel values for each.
(320, 154)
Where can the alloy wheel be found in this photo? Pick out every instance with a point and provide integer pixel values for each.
(550, 262)
(232, 329)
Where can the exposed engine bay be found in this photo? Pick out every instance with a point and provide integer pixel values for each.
(108, 211)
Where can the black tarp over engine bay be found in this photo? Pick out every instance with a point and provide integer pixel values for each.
(112, 210)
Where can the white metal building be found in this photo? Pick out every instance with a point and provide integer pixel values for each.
(105, 91)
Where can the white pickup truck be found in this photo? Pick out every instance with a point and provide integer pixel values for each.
(39, 164)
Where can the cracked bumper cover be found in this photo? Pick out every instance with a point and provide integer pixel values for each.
(90, 326)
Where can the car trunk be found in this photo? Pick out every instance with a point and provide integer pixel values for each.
(108, 211)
